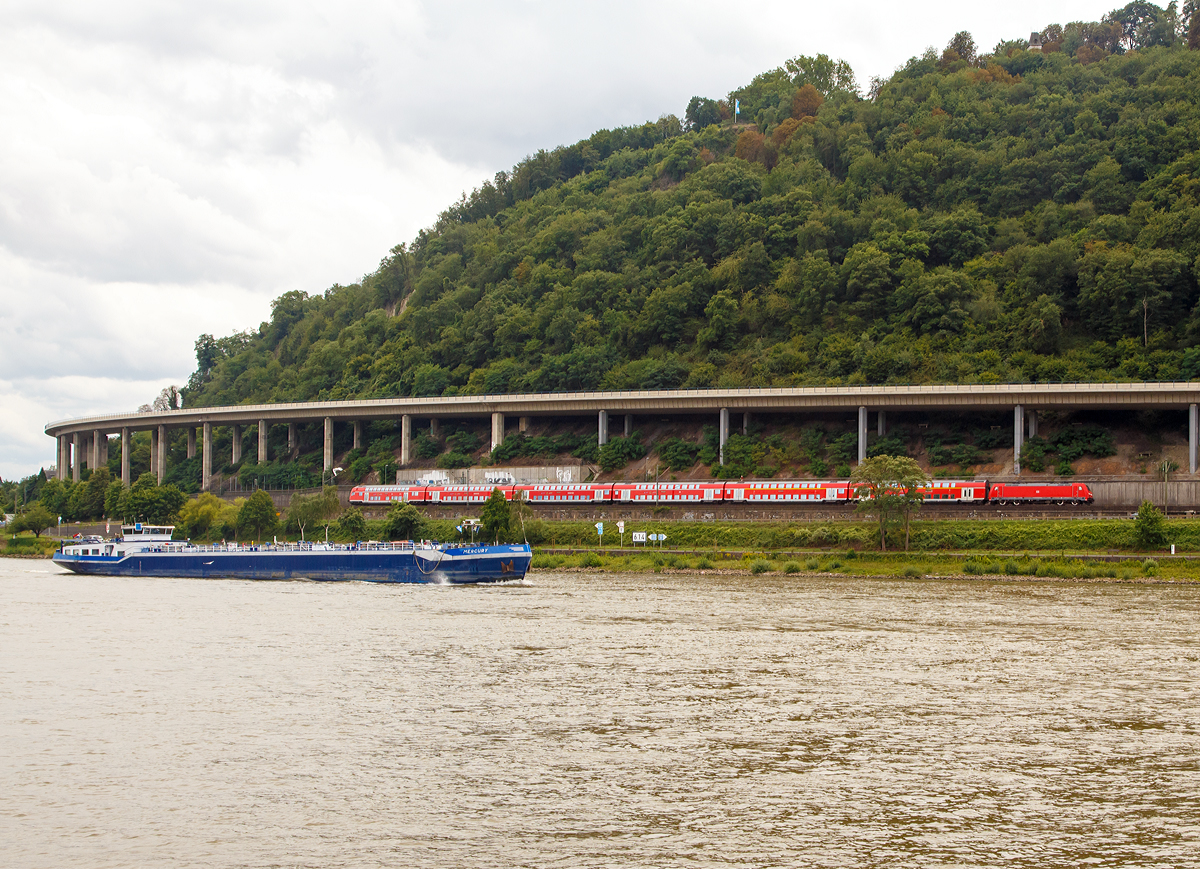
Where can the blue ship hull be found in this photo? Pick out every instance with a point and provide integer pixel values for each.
(369, 564)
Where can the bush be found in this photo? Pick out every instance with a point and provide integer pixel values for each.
(792, 567)
(677, 454)
(704, 564)
(1150, 567)
(812, 564)
(451, 460)
(1149, 527)
(760, 566)
(912, 572)
(590, 559)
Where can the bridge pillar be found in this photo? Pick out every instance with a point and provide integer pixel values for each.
(206, 457)
(191, 442)
(60, 464)
(723, 433)
(125, 481)
(881, 423)
(94, 461)
(1193, 437)
(75, 457)
(862, 435)
(237, 443)
(434, 427)
(523, 424)
(603, 427)
(497, 429)
(327, 464)
(745, 422)
(1018, 436)
(161, 455)
(1031, 423)
(154, 453)
(263, 430)
(405, 440)
(291, 439)
(628, 424)
(358, 433)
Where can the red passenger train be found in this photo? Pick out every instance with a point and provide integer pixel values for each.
(719, 491)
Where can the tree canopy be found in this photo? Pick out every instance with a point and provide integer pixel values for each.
(980, 216)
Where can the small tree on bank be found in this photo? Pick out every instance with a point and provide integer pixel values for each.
(1149, 527)
(257, 515)
(886, 487)
(495, 516)
(404, 521)
(36, 519)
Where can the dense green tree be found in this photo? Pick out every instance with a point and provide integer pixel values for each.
(404, 521)
(36, 519)
(257, 516)
(306, 510)
(887, 488)
(494, 517)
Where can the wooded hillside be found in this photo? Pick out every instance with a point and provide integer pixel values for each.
(1017, 215)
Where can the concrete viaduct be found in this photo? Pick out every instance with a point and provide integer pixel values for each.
(86, 439)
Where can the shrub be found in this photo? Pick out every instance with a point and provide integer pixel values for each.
(812, 564)
(705, 564)
(760, 566)
(590, 559)
(792, 567)
(1150, 567)
(912, 572)
(1149, 527)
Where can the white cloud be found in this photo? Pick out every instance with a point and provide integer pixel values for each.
(168, 169)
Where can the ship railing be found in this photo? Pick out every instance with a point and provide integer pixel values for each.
(305, 546)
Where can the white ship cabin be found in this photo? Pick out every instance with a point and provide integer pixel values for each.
(140, 533)
(133, 539)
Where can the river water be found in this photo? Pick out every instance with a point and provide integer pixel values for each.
(596, 720)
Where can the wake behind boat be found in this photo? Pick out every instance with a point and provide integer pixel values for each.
(150, 551)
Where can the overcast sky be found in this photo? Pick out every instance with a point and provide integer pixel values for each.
(167, 169)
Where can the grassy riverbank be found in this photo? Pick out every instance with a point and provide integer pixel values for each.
(853, 563)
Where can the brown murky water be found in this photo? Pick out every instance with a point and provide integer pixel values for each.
(596, 721)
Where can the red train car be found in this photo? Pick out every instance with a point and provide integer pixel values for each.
(1040, 493)
(695, 491)
(412, 493)
(793, 491)
(955, 491)
(564, 493)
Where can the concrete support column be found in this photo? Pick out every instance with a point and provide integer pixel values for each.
(154, 453)
(291, 438)
(191, 442)
(603, 427)
(1193, 437)
(125, 481)
(745, 422)
(862, 435)
(881, 423)
(237, 443)
(435, 429)
(104, 449)
(94, 461)
(628, 424)
(75, 457)
(263, 429)
(327, 464)
(206, 440)
(405, 440)
(1031, 422)
(723, 432)
(64, 451)
(358, 431)
(161, 455)
(523, 424)
(497, 429)
(1018, 436)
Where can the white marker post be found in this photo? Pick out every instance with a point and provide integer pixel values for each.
(600, 531)
(621, 528)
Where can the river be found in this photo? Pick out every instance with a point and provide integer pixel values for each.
(597, 720)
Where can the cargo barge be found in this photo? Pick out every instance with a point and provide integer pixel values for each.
(150, 551)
